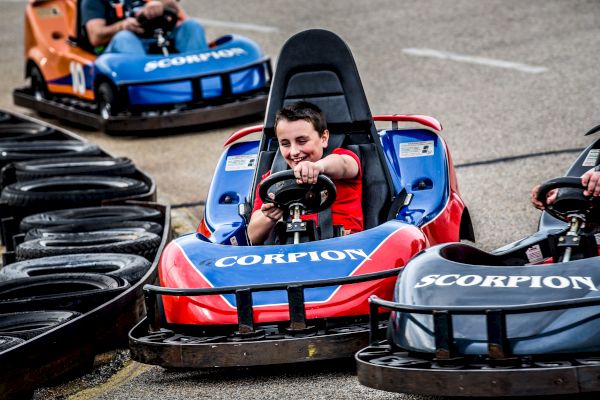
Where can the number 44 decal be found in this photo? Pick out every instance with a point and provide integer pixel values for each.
(77, 77)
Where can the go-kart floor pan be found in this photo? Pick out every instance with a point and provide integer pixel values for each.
(181, 351)
(156, 121)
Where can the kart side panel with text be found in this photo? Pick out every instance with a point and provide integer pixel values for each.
(223, 302)
(124, 92)
(519, 321)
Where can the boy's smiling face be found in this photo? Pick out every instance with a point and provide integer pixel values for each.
(299, 141)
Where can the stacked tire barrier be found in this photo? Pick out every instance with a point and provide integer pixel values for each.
(82, 234)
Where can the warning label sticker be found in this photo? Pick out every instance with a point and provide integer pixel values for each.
(240, 163)
(534, 254)
(591, 158)
(416, 149)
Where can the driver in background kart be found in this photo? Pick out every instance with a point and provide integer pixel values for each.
(112, 25)
(301, 130)
(589, 180)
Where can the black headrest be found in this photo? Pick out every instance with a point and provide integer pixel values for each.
(317, 66)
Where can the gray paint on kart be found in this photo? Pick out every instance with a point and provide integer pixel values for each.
(446, 55)
(237, 25)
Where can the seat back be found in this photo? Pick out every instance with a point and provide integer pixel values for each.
(81, 38)
(317, 66)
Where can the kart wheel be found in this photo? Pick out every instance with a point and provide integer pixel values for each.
(141, 243)
(70, 191)
(108, 104)
(25, 325)
(127, 266)
(89, 215)
(145, 226)
(38, 84)
(105, 166)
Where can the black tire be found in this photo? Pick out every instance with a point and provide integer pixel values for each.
(70, 191)
(29, 150)
(6, 342)
(25, 325)
(37, 84)
(89, 215)
(48, 233)
(127, 266)
(73, 291)
(47, 167)
(107, 100)
(142, 243)
(24, 131)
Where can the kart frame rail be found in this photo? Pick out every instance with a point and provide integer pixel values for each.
(249, 345)
(195, 112)
(500, 373)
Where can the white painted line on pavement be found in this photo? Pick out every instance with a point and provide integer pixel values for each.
(445, 55)
(237, 25)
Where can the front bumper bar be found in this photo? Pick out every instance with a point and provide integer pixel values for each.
(246, 344)
(500, 373)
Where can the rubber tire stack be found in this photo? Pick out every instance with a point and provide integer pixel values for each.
(76, 254)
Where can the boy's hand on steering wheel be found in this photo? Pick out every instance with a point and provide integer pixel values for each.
(271, 211)
(307, 172)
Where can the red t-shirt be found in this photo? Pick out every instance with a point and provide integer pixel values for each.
(347, 207)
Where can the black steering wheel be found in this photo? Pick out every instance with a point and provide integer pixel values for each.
(166, 23)
(282, 190)
(569, 200)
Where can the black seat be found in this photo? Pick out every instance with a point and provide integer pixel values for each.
(81, 40)
(317, 66)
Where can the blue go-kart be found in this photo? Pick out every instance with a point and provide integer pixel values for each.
(163, 89)
(522, 320)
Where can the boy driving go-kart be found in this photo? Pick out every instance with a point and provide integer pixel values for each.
(302, 134)
(118, 26)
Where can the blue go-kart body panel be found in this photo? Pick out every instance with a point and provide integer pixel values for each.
(434, 280)
(235, 61)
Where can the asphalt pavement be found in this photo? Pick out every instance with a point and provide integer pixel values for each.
(509, 80)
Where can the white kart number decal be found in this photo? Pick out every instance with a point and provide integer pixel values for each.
(77, 77)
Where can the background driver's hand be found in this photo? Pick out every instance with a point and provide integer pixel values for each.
(131, 24)
(591, 181)
(549, 198)
(153, 9)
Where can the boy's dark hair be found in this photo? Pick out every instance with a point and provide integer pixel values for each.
(303, 110)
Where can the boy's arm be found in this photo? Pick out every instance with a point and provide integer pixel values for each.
(336, 166)
(339, 166)
(262, 222)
